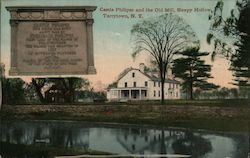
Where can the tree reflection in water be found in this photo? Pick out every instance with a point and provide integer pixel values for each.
(241, 146)
(124, 139)
(163, 145)
(191, 144)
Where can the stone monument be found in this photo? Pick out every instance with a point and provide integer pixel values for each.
(51, 40)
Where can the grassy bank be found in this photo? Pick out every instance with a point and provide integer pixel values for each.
(239, 124)
(221, 115)
(238, 103)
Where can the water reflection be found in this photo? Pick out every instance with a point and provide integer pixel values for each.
(189, 143)
(122, 139)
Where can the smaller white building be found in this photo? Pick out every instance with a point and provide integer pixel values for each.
(137, 84)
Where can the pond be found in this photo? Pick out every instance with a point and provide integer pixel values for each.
(116, 139)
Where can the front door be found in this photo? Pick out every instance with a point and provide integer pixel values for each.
(134, 95)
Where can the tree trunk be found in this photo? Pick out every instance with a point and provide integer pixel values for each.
(71, 90)
(191, 84)
(186, 93)
(163, 145)
(38, 91)
(191, 90)
(162, 92)
(67, 92)
(1, 92)
(163, 68)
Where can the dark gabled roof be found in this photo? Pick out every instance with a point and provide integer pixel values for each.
(151, 77)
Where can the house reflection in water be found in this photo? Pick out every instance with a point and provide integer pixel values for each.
(123, 139)
(144, 141)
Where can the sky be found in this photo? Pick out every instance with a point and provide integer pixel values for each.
(112, 38)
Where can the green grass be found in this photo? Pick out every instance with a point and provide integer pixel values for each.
(134, 115)
(155, 119)
(211, 102)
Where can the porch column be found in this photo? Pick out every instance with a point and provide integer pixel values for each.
(140, 94)
(120, 94)
(116, 92)
(129, 94)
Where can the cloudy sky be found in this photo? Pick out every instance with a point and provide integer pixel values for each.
(112, 39)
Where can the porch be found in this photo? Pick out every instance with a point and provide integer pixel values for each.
(129, 93)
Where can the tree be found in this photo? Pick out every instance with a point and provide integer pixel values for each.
(223, 93)
(39, 83)
(68, 86)
(1, 84)
(190, 142)
(231, 38)
(30, 94)
(162, 37)
(13, 90)
(235, 93)
(112, 85)
(193, 70)
(241, 59)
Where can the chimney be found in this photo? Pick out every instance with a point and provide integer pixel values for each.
(142, 67)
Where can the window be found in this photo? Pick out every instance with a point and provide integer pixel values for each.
(125, 137)
(125, 84)
(134, 95)
(176, 94)
(159, 93)
(173, 86)
(154, 93)
(145, 93)
(133, 74)
(159, 84)
(134, 84)
(125, 94)
(146, 83)
(176, 86)
(133, 147)
(154, 83)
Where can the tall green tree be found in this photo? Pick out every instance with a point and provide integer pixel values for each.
(241, 59)
(162, 37)
(193, 70)
(231, 38)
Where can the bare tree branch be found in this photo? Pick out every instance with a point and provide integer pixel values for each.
(162, 37)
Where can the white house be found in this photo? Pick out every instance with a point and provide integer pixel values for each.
(137, 84)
